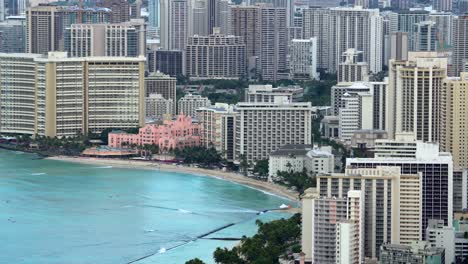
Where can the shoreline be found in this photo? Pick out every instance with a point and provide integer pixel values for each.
(270, 188)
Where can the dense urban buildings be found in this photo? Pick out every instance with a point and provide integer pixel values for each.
(436, 168)
(45, 25)
(398, 218)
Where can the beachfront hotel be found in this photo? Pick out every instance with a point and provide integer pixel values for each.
(217, 128)
(262, 128)
(171, 134)
(56, 96)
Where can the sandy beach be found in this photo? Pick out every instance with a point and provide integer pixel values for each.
(228, 176)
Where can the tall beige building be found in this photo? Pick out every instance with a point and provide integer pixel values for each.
(418, 88)
(217, 128)
(17, 93)
(73, 95)
(45, 25)
(125, 39)
(455, 125)
(215, 56)
(262, 128)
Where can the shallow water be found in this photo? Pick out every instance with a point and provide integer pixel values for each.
(59, 212)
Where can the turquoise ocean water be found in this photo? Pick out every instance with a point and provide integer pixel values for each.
(58, 212)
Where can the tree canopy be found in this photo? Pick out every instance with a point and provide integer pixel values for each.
(272, 241)
(195, 261)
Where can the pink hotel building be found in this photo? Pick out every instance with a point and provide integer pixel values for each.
(179, 133)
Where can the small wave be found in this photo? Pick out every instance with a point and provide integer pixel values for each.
(19, 152)
(145, 196)
(104, 167)
(128, 206)
(162, 250)
(184, 211)
(149, 230)
(38, 173)
(235, 211)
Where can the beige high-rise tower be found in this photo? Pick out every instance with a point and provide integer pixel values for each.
(63, 96)
(455, 133)
(418, 95)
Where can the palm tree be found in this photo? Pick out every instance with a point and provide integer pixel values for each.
(244, 165)
(289, 166)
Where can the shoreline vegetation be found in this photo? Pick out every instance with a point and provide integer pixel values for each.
(268, 187)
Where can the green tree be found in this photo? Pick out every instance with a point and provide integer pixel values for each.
(261, 167)
(244, 164)
(299, 180)
(267, 246)
(195, 261)
(105, 135)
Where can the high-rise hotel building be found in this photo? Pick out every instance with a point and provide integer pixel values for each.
(416, 89)
(215, 56)
(455, 119)
(262, 128)
(217, 128)
(45, 25)
(125, 39)
(58, 96)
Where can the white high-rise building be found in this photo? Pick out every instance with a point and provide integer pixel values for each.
(189, 104)
(159, 107)
(217, 128)
(173, 24)
(273, 41)
(262, 128)
(303, 59)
